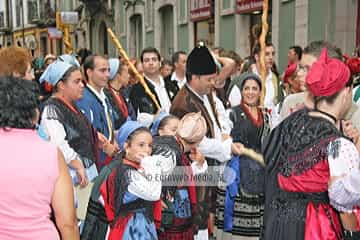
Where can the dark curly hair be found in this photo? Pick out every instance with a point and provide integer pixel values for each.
(18, 102)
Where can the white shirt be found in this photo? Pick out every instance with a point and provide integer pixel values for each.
(102, 97)
(344, 163)
(160, 90)
(223, 116)
(161, 93)
(180, 82)
(57, 135)
(145, 183)
(214, 147)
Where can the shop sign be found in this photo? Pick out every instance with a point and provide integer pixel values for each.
(248, 6)
(54, 33)
(69, 17)
(200, 9)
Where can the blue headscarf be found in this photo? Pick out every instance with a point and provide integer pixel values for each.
(54, 72)
(155, 125)
(114, 67)
(125, 131)
(70, 59)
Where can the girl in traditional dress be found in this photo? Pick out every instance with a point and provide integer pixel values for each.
(241, 204)
(130, 191)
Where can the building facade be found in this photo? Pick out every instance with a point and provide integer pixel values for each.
(24, 23)
(302, 21)
(172, 25)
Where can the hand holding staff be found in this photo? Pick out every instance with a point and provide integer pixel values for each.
(132, 67)
(253, 155)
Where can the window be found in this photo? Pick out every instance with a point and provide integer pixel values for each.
(122, 19)
(19, 9)
(149, 12)
(227, 7)
(32, 10)
(182, 11)
(2, 20)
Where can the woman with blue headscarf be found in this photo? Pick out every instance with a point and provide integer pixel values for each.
(68, 128)
(118, 80)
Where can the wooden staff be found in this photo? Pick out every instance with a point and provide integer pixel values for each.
(253, 155)
(132, 67)
(67, 39)
(264, 30)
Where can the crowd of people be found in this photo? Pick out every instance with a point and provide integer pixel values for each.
(94, 136)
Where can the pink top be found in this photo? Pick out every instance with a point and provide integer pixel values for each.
(28, 172)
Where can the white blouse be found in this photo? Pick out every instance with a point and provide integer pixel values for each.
(145, 183)
(344, 163)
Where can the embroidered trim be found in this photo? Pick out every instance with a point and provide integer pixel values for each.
(305, 142)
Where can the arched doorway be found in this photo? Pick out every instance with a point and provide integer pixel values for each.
(167, 31)
(136, 37)
(103, 39)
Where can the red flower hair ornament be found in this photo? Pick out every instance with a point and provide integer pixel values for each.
(353, 63)
(327, 76)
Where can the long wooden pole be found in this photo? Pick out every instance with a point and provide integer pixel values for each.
(132, 67)
(264, 30)
(67, 39)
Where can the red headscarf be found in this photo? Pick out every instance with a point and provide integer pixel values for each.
(327, 76)
(290, 70)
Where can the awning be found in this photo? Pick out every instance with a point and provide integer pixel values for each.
(200, 10)
(248, 6)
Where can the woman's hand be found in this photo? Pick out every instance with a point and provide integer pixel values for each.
(163, 205)
(225, 136)
(110, 149)
(102, 140)
(236, 148)
(81, 174)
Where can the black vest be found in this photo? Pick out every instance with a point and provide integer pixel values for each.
(80, 134)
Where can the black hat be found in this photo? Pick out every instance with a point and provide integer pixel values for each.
(200, 61)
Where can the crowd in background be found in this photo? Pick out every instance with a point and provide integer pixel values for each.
(81, 133)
